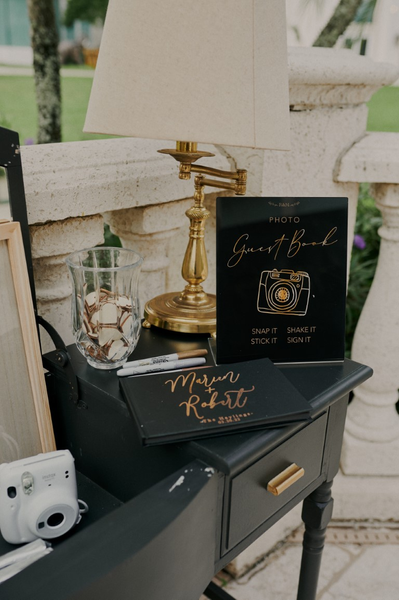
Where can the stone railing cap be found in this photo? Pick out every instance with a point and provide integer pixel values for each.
(329, 66)
(373, 159)
(76, 179)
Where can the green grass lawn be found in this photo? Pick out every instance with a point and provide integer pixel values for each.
(384, 110)
(18, 107)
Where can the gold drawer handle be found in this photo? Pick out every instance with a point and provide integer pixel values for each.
(283, 480)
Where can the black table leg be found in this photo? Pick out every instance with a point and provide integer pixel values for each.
(215, 592)
(316, 514)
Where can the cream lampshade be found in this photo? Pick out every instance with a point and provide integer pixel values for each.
(210, 71)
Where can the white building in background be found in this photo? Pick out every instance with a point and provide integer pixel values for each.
(379, 40)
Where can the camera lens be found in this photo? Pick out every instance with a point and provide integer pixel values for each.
(283, 294)
(55, 519)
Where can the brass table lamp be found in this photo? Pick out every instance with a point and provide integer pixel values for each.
(214, 72)
(193, 310)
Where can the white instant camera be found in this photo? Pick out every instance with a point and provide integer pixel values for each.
(38, 497)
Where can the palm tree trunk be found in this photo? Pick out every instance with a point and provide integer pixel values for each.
(46, 64)
(343, 16)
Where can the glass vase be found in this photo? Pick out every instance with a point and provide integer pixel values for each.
(106, 317)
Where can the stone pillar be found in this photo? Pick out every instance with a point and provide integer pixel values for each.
(371, 441)
(51, 243)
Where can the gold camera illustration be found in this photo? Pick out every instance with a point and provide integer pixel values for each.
(284, 292)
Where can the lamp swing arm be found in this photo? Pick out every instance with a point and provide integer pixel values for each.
(218, 184)
(238, 186)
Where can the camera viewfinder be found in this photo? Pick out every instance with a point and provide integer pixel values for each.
(11, 492)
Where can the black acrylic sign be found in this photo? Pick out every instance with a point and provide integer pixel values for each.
(281, 279)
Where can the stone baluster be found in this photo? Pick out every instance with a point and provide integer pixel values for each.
(51, 243)
(371, 443)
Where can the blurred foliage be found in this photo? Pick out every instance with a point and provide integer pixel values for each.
(85, 10)
(363, 261)
(110, 239)
(343, 15)
(4, 122)
(383, 108)
(366, 11)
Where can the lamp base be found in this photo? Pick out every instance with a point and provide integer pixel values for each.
(174, 312)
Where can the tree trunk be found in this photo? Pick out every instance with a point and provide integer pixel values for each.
(46, 64)
(343, 16)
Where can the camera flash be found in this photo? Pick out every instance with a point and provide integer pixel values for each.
(27, 483)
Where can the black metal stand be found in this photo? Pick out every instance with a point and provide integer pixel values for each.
(316, 514)
(215, 592)
(10, 159)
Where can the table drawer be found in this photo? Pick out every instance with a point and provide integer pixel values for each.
(251, 503)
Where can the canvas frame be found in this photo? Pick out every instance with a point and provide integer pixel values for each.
(25, 419)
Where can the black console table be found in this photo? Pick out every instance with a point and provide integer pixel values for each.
(164, 520)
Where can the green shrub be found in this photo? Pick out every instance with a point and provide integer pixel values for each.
(363, 261)
(110, 239)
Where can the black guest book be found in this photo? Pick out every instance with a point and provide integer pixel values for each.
(214, 400)
(281, 279)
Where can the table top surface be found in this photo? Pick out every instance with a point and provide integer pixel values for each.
(319, 383)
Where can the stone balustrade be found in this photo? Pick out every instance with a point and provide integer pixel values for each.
(371, 444)
(72, 188)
